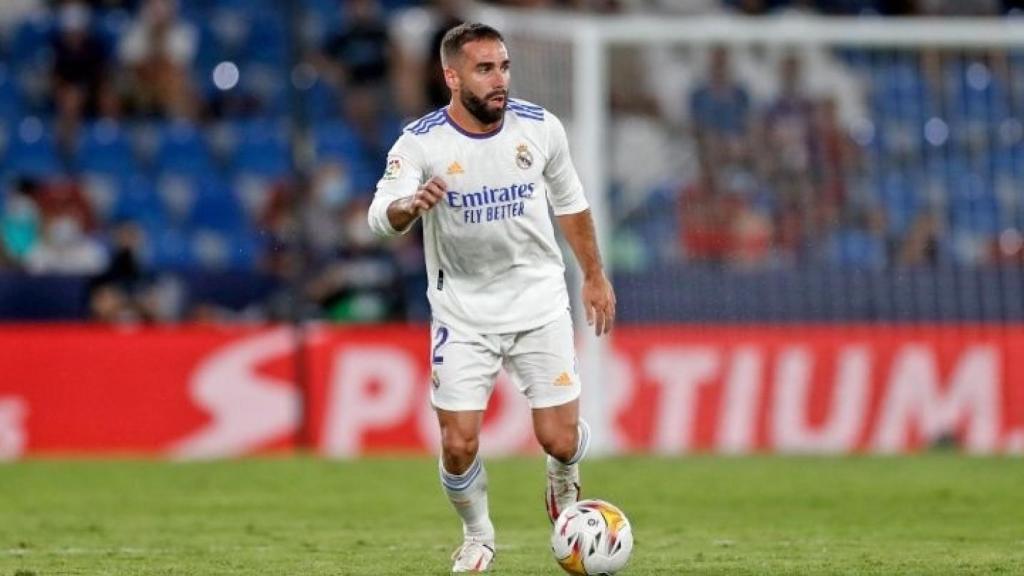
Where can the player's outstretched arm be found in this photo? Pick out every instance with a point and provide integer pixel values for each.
(598, 296)
(404, 211)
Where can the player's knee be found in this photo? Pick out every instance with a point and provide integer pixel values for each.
(461, 450)
(562, 446)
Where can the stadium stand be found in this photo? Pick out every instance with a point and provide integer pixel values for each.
(175, 118)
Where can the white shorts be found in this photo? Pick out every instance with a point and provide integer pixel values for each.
(541, 363)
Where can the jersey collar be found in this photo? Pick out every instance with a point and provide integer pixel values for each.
(475, 135)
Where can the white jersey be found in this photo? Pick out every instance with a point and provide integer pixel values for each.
(493, 263)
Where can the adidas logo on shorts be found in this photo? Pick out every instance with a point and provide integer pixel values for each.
(563, 379)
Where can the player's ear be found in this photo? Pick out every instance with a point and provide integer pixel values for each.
(451, 78)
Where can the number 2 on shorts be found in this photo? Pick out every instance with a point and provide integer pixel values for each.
(441, 336)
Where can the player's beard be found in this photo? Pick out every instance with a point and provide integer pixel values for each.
(478, 106)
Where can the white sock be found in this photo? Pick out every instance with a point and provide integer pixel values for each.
(468, 495)
(560, 468)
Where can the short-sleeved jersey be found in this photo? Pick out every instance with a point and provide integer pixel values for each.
(493, 263)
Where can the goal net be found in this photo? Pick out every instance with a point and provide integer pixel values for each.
(793, 169)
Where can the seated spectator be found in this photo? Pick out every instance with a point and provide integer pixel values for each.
(123, 291)
(65, 249)
(702, 227)
(330, 191)
(362, 280)
(921, 246)
(58, 198)
(159, 49)
(19, 222)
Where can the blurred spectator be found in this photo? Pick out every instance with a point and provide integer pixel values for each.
(357, 60)
(19, 222)
(921, 246)
(65, 249)
(159, 49)
(702, 225)
(834, 155)
(123, 292)
(14, 12)
(356, 57)
(65, 198)
(787, 150)
(330, 191)
(721, 222)
(362, 281)
(448, 16)
(81, 87)
(417, 76)
(720, 110)
(749, 226)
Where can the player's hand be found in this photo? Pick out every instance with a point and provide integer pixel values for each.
(599, 303)
(427, 196)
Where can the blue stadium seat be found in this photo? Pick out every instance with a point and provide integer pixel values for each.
(105, 149)
(262, 148)
(32, 150)
(32, 38)
(178, 195)
(182, 149)
(215, 207)
(973, 206)
(900, 90)
(137, 200)
(223, 250)
(10, 100)
(899, 195)
(856, 248)
(327, 9)
(268, 39)
(321, 102)
(336, 140)
(170, 247)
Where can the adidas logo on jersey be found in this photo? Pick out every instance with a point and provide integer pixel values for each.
(455, 168)
(563, 379)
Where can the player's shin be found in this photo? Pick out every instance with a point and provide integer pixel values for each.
(564, 477)
(468, 495)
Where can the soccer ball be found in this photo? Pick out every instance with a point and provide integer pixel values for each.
(592, 537)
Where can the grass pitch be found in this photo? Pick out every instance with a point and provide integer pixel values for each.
(925, 515)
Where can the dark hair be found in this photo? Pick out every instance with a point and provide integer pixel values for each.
(459, 36)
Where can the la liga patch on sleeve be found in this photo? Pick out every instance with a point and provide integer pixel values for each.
(394, 169)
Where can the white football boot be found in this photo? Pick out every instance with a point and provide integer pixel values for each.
(473, 556)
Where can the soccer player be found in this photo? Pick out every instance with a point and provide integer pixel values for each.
(481, 173)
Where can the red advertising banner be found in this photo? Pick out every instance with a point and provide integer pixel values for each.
(193, 392)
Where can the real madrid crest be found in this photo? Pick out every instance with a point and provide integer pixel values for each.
(524, 159)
